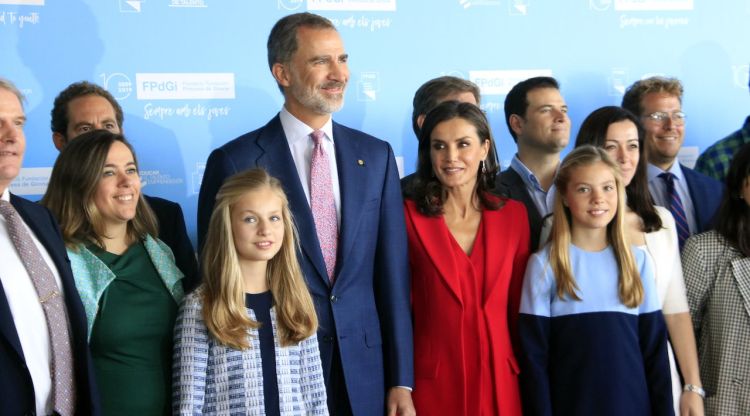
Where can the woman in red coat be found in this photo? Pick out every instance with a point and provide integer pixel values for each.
(468, 252)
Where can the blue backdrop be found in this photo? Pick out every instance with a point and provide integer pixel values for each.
(192, 74)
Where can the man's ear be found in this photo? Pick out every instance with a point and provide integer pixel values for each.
(281, 74)
(59, 140)
(516, 123)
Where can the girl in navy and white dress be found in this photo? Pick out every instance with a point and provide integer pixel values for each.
(245, 341)
(592, 334)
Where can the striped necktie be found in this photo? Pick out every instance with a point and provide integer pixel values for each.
(55, 313)
(322, 203)
(676, 207)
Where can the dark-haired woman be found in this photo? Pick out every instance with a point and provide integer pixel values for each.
(468, 252)
(127, 279)
(653, 229)
(717, 274)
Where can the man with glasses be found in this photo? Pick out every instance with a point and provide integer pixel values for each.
(692, 197)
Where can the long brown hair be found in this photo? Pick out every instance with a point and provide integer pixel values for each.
(72, 187)
(630, 288)
(222, 290)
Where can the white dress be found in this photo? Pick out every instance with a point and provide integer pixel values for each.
(663, 251)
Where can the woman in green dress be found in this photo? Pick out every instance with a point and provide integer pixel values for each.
(126, 277)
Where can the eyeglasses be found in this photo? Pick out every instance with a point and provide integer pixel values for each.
(678, 117)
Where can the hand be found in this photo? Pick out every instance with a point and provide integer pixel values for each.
(399, 402)
(691, 404)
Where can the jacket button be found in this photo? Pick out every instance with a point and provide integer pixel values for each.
(328, 338)
(333, 298)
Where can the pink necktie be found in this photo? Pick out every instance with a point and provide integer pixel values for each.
(61, 370)
(322, 203)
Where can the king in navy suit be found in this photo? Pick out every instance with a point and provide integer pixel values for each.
(25, 374)
(365, 332)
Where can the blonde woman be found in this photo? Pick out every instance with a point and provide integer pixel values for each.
(245, 340)
(592, 334)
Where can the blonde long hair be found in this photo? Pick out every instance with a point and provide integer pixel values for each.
(630, 288)
(222, 291)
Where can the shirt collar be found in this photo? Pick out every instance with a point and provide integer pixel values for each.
(6, 195)
(527, 176)
(295, 130)
(675, 169)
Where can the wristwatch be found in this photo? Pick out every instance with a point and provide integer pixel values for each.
(695, 389)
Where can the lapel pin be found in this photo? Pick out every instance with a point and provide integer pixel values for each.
(360, 162)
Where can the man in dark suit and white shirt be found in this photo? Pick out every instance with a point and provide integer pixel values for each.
(44, 361)
(657, 101)
(358, 276)
(537, 118)
(84, 106)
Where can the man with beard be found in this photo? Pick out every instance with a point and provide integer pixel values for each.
(345, 197)
(692, 197)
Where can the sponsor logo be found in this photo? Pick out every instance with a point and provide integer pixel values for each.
(618, 82)
(600, 5)
(155, 177)
(518, 7)
(499, 82)
(184, 86)
(130, 6)
(653, 5)
(195, 4)
(118, 84)
(368, 86)
(31, 181)
(289, 4)
(352, 5)
(23, 2)
(473, 3)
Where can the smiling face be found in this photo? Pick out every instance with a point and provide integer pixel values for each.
(591, 196)
(663, 138)
(455, 152)
(119, 187)
(12, 139)
(621, 143)
(258, 225)
(315, 78)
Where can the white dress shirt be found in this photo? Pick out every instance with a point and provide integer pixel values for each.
(28, 316)
(301, 145)
(658, 189)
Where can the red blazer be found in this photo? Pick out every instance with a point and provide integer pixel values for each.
(437, 308)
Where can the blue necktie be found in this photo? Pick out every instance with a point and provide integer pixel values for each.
(676, 208)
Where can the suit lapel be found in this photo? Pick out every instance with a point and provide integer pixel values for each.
(277, 159)
(8, 326)
(352, 180)
(437, 242)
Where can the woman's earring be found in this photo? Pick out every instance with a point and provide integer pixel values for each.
(484, 166)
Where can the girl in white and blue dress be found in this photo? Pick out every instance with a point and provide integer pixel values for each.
(245, 340)
(592, 334)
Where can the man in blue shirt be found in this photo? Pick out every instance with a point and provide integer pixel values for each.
(537, 118)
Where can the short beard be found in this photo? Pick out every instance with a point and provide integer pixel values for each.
(315, 101)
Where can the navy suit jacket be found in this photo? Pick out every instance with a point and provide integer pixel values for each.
(706, 193)
(367, 310)
(16, 388)
(173, 233)
(510, 185)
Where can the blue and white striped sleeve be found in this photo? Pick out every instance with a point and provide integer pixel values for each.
(312, 384)
(190, 359)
